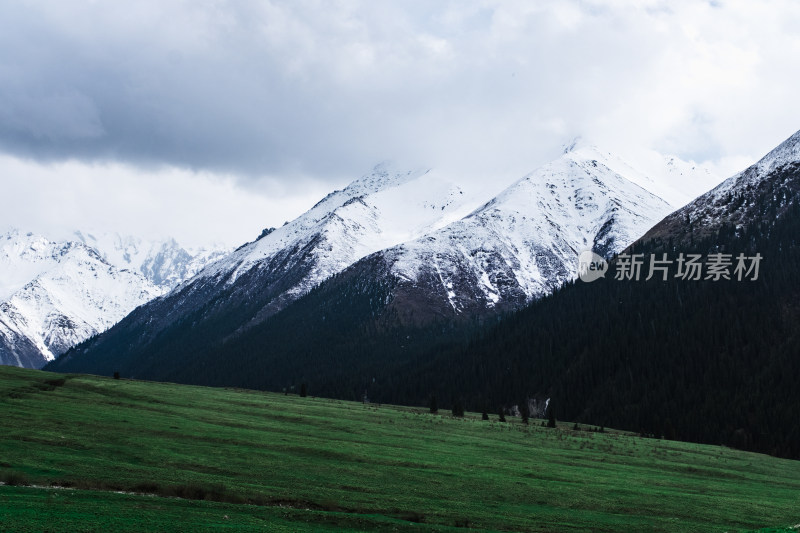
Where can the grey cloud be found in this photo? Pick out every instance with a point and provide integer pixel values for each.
(269, 88)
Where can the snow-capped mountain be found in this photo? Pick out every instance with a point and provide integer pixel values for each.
(381, 209)
(524, 243)
(518, 246)
(164, 262)
(56, 294)
(378, 210)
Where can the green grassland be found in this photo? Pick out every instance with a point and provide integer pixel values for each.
(83, 453)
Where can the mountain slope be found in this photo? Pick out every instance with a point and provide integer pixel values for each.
(667, 176)
(760, 193)
(378, 210)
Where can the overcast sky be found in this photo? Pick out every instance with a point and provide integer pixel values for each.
(209, 120)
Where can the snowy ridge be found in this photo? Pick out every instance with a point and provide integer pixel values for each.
(441, 252)
(449, 252)
(714, 208)
(524, 243)
(23, 258)
(786, 152)
(711, 205)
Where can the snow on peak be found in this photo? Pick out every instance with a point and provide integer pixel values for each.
(575, 144)
(385, 175)
(56, 294)
(524, 242)
(714, 205)
(24, 256)
(667, 176)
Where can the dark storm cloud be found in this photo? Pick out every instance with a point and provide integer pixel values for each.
(185, 85)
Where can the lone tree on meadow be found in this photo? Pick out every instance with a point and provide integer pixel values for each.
(303, 390)
(525, 412)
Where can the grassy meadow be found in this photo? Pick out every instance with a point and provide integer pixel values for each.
(84, 453)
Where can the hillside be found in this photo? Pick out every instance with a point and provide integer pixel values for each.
(244, 460)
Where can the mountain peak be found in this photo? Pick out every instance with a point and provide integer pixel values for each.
(576, 143)
(580, 150)
(384, 175)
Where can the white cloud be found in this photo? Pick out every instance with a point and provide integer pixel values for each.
(196, 208)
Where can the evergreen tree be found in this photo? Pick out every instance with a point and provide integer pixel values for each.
(525, 412)
(434, 407)
(551, 416)
(303, 390)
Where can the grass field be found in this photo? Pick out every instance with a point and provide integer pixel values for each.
(83, 453)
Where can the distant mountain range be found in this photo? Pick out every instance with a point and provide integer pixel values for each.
(56, 294)
(164, 263)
